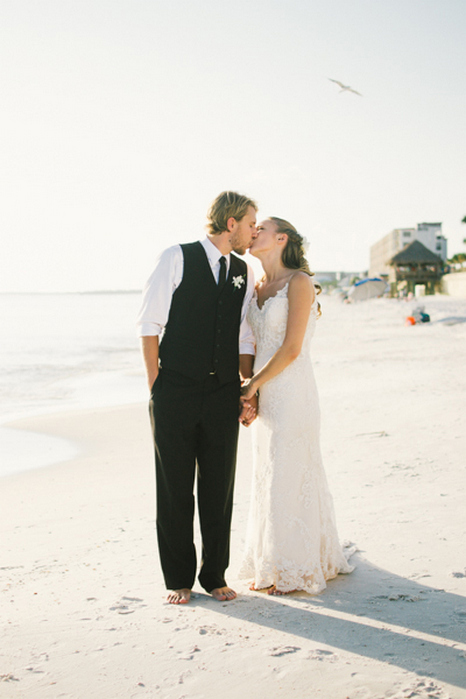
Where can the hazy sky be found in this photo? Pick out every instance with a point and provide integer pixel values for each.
(122, 119)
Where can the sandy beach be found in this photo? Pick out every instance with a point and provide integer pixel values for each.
(82, 598)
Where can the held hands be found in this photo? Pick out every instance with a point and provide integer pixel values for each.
(248, 404)
(247, 413)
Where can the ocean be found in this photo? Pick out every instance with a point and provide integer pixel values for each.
(62, 352)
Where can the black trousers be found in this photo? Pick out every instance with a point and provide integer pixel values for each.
(195, 427)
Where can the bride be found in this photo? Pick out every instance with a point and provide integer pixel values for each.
(292, 542)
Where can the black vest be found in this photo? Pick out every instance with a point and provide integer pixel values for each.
(202, 332)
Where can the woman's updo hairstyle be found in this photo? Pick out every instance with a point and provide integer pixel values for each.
(294, 255)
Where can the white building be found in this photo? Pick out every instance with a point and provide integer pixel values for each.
(429, 234)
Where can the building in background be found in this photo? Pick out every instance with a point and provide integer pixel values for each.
(429, 234)
(415, 269)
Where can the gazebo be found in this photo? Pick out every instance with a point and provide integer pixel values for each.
(413, 265)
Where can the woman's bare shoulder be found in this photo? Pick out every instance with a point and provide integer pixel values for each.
(302, 284)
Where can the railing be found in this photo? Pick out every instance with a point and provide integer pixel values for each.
(418, 274)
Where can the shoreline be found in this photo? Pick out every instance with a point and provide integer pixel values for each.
(117, 388)
(45, 431)
(25, 449)
(43, 447)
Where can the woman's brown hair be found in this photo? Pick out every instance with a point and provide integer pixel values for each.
(294, 255)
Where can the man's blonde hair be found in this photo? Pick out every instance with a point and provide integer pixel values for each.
(227, 205)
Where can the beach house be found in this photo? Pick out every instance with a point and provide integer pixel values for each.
(413, 266)
(383, 251)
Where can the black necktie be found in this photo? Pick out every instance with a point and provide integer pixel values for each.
(223, 272)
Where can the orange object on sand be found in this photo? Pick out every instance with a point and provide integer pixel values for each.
(410, 320)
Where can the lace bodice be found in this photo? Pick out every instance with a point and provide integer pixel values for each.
(269, 325)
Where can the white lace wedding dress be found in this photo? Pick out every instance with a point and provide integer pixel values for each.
(292, 541)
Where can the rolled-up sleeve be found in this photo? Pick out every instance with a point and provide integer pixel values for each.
(158, 292)
(247, 343)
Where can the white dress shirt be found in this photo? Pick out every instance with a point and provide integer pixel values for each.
(166, 278)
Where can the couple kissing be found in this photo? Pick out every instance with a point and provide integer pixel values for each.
(212, 341)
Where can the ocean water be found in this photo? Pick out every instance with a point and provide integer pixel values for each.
(62, 352)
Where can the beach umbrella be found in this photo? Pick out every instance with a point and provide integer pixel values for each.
(367, 289)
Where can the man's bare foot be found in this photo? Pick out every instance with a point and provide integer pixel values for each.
(223, 594)
(273, 591)
(179, 596)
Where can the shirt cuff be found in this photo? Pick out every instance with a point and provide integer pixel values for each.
(247, 348)
(149, 330)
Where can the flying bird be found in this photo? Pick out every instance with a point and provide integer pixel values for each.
(345, 88)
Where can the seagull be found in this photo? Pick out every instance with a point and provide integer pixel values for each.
(345, 88)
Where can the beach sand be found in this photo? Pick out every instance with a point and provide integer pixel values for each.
(82, 598)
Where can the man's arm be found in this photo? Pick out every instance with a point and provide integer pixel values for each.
(158, 292)
(248, 408)
(246, 363)
(150, 353)
(155, 308)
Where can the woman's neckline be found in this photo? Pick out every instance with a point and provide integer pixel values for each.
(274, 295)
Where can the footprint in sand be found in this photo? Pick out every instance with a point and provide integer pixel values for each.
(183, 676)
(421, 689)
(211, 629)
(398, 597)
(283, 650)
(125, 606)
(320, 654)
(461, 614)
(190, 654)
(458, 574)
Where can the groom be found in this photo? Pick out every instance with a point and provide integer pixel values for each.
(195, 341)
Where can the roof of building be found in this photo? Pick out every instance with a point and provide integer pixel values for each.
(416, 253)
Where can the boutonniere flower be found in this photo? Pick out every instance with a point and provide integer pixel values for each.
(238, 281)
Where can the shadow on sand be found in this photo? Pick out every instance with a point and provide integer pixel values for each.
(396, 623)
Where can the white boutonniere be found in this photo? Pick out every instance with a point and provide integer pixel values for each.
(238, 281)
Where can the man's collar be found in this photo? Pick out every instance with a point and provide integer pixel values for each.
(212, 251)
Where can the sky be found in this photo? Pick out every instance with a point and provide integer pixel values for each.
(121, 121)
